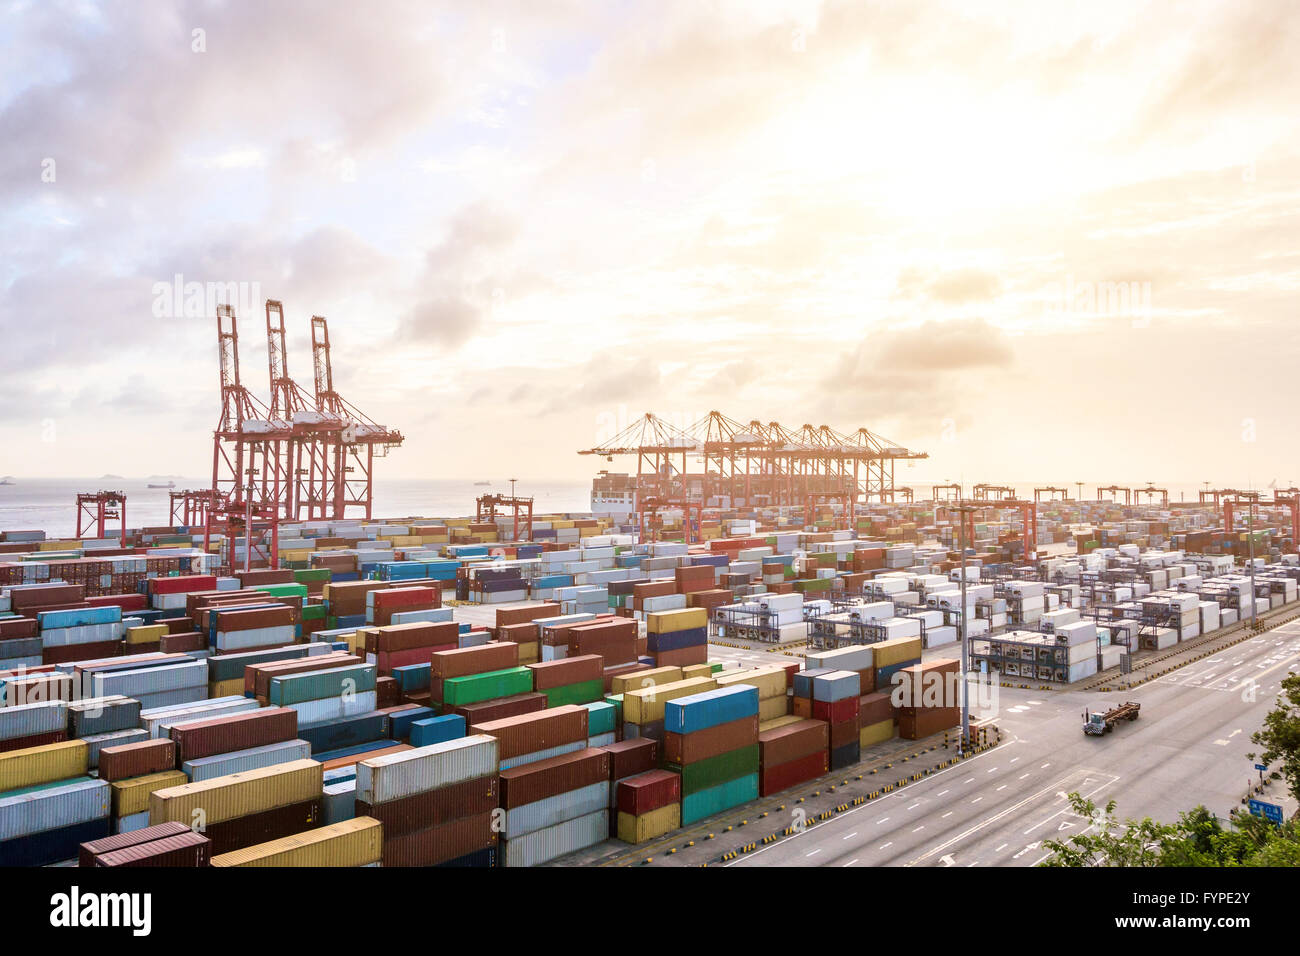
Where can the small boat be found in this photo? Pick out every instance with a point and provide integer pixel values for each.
(170, 484)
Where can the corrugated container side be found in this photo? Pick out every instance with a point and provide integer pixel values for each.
(357, 842)
(542, 846)
(238, 794)
(391, 777)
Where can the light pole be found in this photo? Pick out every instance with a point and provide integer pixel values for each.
(248, 522)
(965, 646)
(1250, 533)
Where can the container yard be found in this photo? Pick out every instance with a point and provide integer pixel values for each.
(441, 692)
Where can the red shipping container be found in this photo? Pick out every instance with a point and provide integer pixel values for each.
(183, 583)
(461, 662)
(792, 741)
(127, 602)
(264, 576)
(647, 792)
(33, 740)
(782, 776)
(840, 712)
(500, 707)
(254, 728)
(387, 692)
(87, 852)
(842, 734)
(257, 677)
(683, 657)
(694, 578)
(17, 627)
(183, 642)
(187, 849)
(615, 642)
(137, 759)
(263, 827)
(385, 661)
(569, 670)
(254, 618)
(433, 807)
(553, 776)
(529, 733)
(506, 616)
(22, 598)
(712, 741)
(633, 756)
(62, 654)
(442, 843)
(177, 625)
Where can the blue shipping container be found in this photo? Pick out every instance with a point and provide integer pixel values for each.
(686, 715)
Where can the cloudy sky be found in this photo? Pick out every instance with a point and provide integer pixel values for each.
(1048, 240)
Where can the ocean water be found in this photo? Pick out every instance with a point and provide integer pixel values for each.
(50, 504)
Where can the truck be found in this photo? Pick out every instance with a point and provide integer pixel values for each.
(1096, 724)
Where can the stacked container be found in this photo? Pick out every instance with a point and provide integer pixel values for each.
(792, 750)
(929, 695)
(891, 656)
(554, 806)
(331, 694)
(436, 803)
(649, 805)
(453, 663)
(168, 844)
(676, 638)
(570, 680)
(875, 719)
(643, 708)
(857, 657)
(835, 700)
(356, 842)
(711, 740)
(539, 735)
(773, 701)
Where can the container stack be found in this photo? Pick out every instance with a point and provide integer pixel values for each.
(602, 723)
(677, 638)
(381, 605)
(891, 656)
(435, 803)
(398, 645)
(555, 806)
(20, 644)
(627, 759)
(649, 805)
(856, 657)
(835, 700)
(48, 805)
(536, 736)
(238, 742)
(80, 633)
(930, 696)
(711, 740)
(614, 640)
(773, 700)
(244, 809)
(875, 719)
(571, 680)
(250, 629)
(320, 696)
(643, 708)
(32, 725)
(168, 844)
(792, 750)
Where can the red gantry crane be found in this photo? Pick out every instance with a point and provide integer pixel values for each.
(1050, 492)
(1150, 493)
(1113, 491)
(189, 508)
(95, 509)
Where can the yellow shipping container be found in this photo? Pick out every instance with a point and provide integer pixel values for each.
(876, 733)
(770, 708)
(238, 794)
(778, 722)
(697, 670)
(895, 651)
(146, 633)
(770, 681)
(132, 795)
(647, 678)
(226, 688)
(649, 825)
(646, 705)
(685, 619)
(356, 842)
(36, 765)
(561, 524)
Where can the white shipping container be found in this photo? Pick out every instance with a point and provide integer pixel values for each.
(41, 717)
(237, 761)
(312, 712)
(556, 751)
(393, 776)
(555, 810)
(158, 721)
(150, 680)
(53, 807)
(112, 738)
(542, 846)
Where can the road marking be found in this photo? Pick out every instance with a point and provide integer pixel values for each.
(977, 800)
(991, 769)
(968, 780)
(1221, 743)
(1003, 787)
(1028, 847)
(1001, 848)
(915, 805)
(852, 861)
(850, 836)
(1044, 766)
(1023, 776)
(881, 820)
(886, 846)
(919, 829)
(1014, 759)
(946, 815)
(814, 852)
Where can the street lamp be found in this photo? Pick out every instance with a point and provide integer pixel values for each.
(249, 489)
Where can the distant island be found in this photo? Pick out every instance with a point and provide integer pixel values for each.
(111, 478)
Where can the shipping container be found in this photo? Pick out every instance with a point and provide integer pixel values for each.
(238, 794)
(381, 779)
(357, 842)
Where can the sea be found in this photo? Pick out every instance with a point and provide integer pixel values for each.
(50, 504)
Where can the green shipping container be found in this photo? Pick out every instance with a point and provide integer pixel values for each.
(617, 701)
(315, 685)
(285, 590)
(312, 574)
(473, 688)
(706, 803)
(715, 771)
(313, 612)
(601, 717)
(583, 693)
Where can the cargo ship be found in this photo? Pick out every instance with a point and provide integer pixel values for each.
(613, 493)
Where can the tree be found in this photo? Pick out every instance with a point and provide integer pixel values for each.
(1199, 839)
(1280, 735)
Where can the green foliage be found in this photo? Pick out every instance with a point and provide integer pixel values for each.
(1280, 735)
(1198, 839)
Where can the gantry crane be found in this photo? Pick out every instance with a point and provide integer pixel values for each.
(1113, 491)
(652, 526)
(843, 497)
(902, 492)
(189, 509)
(485, 509)
(1051, 491)
(351, 440)
(1028, 517)
(95, 509)
(250, 474)
(1151, 493)
(983, 492)
(951, 492)
(757, 464)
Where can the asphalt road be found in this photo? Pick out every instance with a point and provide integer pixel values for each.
(996, 809)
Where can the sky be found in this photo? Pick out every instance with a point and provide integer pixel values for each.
(1046, 240)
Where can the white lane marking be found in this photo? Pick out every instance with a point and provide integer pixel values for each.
(941, 793)
(991, 769)
(1001, 848)
(977, 800)
(814, 852)
(919, 829)
(1044, 766)
(1023, 776)
(852, 861)
(1003, 787)
(968, 780)
(881, 820)
(886, 846)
